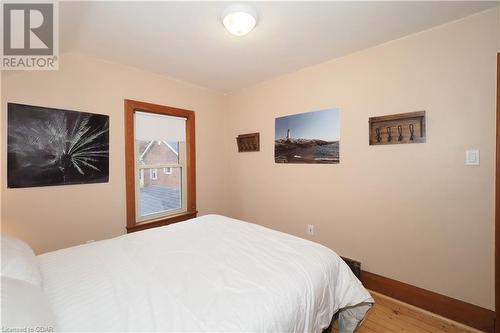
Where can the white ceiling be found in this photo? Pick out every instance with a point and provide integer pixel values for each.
(187, 41)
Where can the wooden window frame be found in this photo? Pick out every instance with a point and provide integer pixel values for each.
(131, 107)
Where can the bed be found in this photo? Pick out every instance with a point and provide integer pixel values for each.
(208, 274)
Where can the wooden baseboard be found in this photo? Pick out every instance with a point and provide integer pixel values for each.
(462, 312)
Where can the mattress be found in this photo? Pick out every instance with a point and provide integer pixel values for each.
(207, 274)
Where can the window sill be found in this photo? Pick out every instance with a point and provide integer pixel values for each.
(165, 221)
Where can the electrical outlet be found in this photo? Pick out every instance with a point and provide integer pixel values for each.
(310, 229)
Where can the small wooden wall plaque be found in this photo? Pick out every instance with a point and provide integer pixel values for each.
(248, 142)
(397, 128)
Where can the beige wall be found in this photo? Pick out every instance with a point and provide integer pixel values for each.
(415, 212)
(54, 217)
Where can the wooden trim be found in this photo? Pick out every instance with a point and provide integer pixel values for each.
(460, 311)
(191, 162)
(129, 163)
(162, 222)
(130, 107)
(398, 116)
(497, 205)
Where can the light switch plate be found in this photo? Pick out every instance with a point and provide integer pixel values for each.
(472, 157)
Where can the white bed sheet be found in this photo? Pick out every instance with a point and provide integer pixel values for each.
(208, 274)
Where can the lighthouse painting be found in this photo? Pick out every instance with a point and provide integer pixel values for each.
(311, 137)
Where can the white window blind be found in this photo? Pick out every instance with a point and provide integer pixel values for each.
(150, 126)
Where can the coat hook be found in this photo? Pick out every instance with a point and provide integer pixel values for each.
(400, 132)
(412, 129)
(377, 131)
(389, 136)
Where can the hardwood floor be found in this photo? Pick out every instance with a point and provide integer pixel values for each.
(389, 315)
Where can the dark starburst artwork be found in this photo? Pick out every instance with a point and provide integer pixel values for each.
(48, 146)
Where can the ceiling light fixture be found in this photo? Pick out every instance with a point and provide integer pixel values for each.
(239, 19)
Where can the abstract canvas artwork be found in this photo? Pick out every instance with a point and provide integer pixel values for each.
(47, 146)
(311, 137)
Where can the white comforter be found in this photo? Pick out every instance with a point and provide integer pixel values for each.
(210, 273)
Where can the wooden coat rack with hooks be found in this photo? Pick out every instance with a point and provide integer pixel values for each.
(397, 128)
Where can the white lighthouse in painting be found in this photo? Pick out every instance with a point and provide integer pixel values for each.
(288, 135)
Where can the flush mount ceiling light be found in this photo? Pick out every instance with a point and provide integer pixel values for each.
(239, 19)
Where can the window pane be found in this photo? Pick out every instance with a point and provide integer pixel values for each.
(158, 152)
(162, 194)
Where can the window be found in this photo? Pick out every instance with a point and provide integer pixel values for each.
(159, 137)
